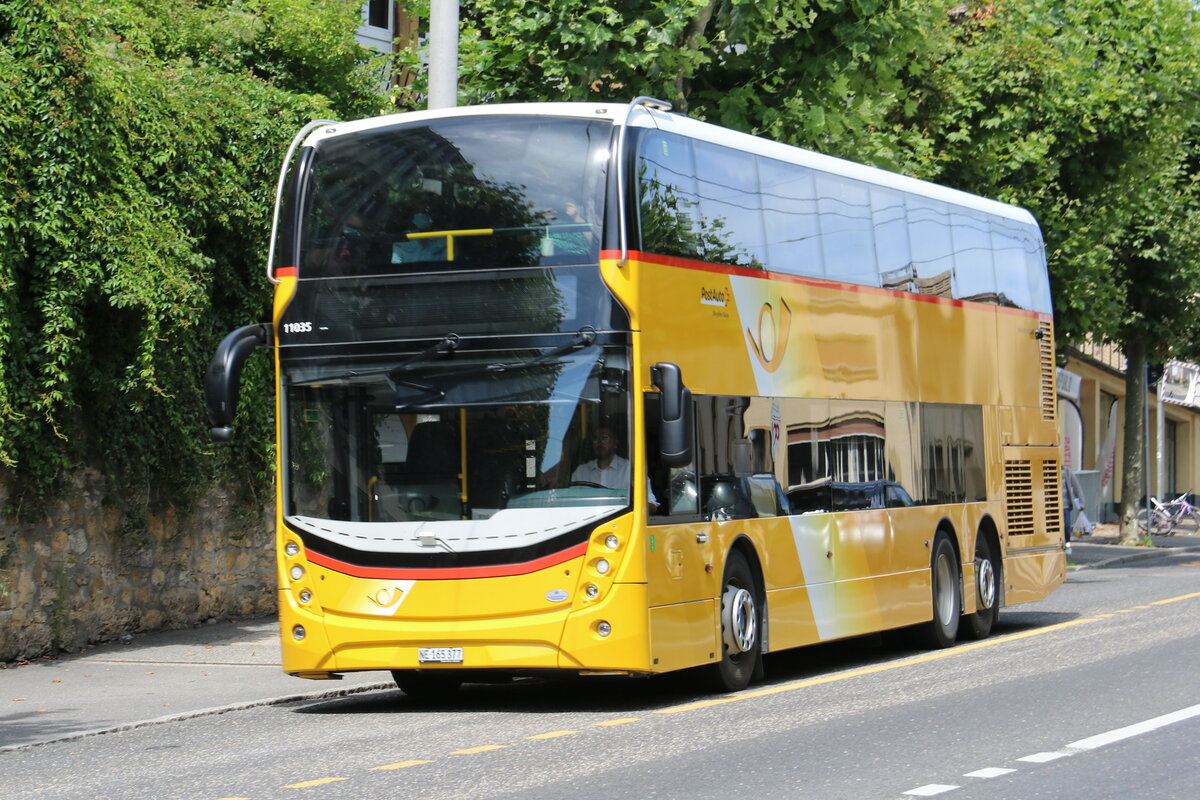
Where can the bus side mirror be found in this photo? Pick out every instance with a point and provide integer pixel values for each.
(675, 415)
(224, 378)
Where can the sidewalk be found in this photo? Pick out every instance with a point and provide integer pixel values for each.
(155, 678)
(1101, 549)
(228, 666)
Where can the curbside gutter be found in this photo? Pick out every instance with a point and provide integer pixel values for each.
(329, 694)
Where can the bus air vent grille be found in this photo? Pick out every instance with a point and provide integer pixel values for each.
(1051, 486)
(1049, 400)
(1018, 497)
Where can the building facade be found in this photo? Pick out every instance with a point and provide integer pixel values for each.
(1091, 398)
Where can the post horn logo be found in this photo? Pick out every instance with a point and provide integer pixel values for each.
(771, 342)
(387, 597)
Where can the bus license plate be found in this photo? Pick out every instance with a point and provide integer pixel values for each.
(440, 655)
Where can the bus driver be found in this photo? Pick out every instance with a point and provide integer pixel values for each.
(608, 469)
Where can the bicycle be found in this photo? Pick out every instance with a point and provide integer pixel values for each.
(1164, 518)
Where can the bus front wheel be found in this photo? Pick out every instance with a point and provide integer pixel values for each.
(741, 625)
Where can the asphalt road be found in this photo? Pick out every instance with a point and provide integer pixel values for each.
(1092, 693)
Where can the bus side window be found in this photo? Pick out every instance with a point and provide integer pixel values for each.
(793, 238)
(1013, 279)
(727, 186)
(847, 234)
(974, 275)
(725, 461)
(676, 488)
(889, 219)
(931, 248)
(669, 204)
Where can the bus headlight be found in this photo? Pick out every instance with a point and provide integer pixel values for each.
(612, 542)
(291, 548)
(603, 628)
(592, 591)
(602, 566)
(305, 596)
(298, 633)
(297, 572)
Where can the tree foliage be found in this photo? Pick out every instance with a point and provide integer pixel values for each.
(820, 73)
(140, 144)
(1083, 114)
(1087, 114)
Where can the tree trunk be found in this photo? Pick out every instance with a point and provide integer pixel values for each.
(695, 30)
(408, 31)
(1132, 486)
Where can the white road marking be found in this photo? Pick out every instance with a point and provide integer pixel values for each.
(989, 772)
(930, 790)
(1042, 758)
(1101, 739)
(1082, 745)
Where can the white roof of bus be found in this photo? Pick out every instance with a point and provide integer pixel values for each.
(642, 117)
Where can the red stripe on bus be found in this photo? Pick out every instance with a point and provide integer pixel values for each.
(286, 272)
(765, 274)
(448, 573)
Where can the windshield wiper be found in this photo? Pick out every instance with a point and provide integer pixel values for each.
(584, 337)
(427, 392)
(424, 394)
(446, 345)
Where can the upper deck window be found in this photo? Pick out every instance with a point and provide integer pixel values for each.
(707, 202)
(458, 193)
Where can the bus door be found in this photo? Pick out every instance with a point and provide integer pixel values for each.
(680, 549)
(724, 492)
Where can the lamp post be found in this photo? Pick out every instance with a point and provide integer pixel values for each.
(443, 54)
(1160, 423)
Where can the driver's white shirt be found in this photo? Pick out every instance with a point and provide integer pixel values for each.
(615, 476)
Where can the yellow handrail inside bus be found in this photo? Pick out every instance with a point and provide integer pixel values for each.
(450, 235)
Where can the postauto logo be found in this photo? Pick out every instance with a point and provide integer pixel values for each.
(716, 297)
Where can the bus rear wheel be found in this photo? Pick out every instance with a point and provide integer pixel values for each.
(942, 630)
(741, 622)
(987, 590)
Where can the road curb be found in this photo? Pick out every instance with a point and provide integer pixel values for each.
(328, 694)
(1137, 554)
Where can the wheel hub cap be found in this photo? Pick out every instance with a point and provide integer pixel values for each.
(739, 619)
(985, 583)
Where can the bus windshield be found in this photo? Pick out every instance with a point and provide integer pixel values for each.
(412, 443)
(501, 191)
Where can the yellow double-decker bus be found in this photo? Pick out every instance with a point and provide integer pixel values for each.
(597, 389)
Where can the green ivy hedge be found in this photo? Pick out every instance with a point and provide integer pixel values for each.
(140, 142)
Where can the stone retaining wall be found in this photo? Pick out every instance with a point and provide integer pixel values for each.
(77, 578)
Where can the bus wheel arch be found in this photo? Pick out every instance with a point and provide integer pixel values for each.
(742, 620)
(989, 581)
